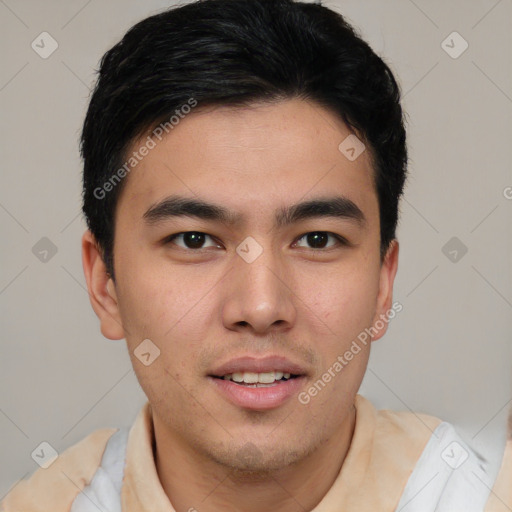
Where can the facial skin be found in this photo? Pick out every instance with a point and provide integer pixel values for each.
(203, 307)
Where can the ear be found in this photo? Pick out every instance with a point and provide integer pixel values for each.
(385, 298)
(102, 291)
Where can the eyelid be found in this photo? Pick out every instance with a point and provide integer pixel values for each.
(342, 241)
(170, 238)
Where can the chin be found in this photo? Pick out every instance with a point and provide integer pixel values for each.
(252, 461)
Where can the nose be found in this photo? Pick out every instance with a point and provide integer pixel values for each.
(260, 296)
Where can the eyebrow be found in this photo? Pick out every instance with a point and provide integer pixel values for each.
(339, 207)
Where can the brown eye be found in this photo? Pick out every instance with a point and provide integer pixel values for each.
(319, 239)
(191, 240)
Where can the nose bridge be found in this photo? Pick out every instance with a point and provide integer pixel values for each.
(259, 269)
(261, 273)
(260, 295)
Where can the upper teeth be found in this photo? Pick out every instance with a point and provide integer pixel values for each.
(254, 378)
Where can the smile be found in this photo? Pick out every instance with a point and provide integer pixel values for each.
(264, 379)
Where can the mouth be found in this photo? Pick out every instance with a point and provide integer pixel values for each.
(258, 384)
(258, 380)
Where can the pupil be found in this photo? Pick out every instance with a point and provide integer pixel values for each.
(314, 238)
(194, 240)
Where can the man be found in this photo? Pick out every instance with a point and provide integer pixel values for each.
(243, 163)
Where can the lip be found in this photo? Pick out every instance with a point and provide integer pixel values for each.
(258, 399)
(258, 365)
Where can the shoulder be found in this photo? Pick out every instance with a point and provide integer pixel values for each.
(408, 425)
(55, 487)
(384, 452)
(397, 430)
(450, 475)
(447, 473)
(500, 499)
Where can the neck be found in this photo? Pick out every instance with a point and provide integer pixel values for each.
(195, 483)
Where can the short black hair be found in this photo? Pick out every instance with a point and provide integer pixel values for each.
(237, 53)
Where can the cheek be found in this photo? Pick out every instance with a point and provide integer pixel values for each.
(344, 300)
(169, 307)
(162, 311)
(153, 294)
(145, 305)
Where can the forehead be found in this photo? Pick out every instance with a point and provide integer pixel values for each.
(250, 159)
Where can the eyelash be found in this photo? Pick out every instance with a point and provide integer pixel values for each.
(341, 241)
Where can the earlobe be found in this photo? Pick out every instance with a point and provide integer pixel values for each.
(388, 271)
(102, 293)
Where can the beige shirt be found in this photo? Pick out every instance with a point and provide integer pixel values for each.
(382, 456)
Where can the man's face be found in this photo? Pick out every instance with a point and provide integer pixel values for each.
(250, 295)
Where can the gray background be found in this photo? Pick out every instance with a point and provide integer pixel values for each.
(448, 353)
